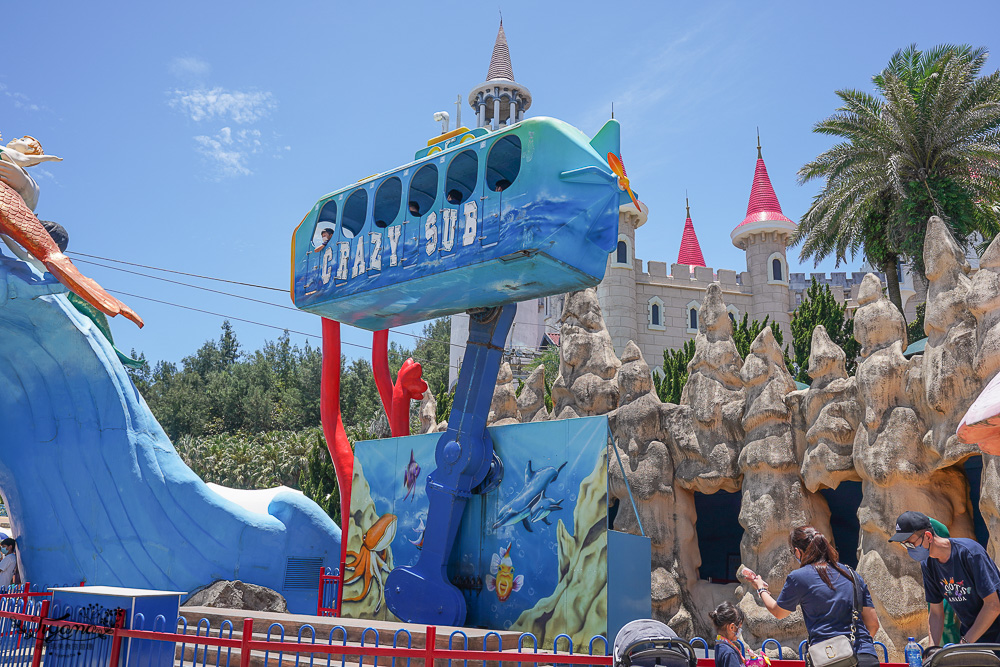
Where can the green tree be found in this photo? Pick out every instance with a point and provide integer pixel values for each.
(319, 481)
(927, 143)
(670, 383)
(745, 332)
(433, 351)
(820, 307)
(915, 329)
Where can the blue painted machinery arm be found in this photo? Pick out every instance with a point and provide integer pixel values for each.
(421, 593)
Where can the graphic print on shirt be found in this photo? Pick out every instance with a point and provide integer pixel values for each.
(955, 591)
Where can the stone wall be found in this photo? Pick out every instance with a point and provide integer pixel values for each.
(741, 425)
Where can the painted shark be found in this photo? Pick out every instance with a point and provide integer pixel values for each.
(530, 504)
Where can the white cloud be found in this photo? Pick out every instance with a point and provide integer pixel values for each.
(228, 151)
(189, 67)
(19, 100)
(239, 107)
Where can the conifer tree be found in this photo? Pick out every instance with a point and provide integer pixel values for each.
(819, 306)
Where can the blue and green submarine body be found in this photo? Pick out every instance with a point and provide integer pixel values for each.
(479, 219)
(478, 222)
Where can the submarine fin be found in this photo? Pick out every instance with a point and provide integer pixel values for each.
(608, 139)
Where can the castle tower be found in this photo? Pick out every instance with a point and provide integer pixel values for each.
(617, 292)
(690, 252)
(764, 235)
(499, 100)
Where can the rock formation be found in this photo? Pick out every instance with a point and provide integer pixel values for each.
(587, 363)
(706, 456)
(428, 412)
(742, 425)
(636, 425)
(503, 409)
(238, 595)
(531, 401)
(830, 413)
(774, 497)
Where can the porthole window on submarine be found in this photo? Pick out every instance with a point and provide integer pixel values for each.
(388, 198)
(503, 163)
(423, 190)
(463, 173)
(327, 220)
(355, 209)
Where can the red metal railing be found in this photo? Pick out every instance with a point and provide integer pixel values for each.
(329, 591)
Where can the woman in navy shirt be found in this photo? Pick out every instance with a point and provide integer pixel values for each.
(728, 619)
(825, 590)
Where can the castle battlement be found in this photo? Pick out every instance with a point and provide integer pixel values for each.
(684, 276)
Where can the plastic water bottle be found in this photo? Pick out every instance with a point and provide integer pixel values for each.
(913, 653)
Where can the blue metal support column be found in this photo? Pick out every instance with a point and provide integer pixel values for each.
(421, 593)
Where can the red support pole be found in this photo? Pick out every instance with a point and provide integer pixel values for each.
(36, 657)
(319, 600)
(336, 437)
(25, 596)
(116, 639)
(430, 643)
(245, 647)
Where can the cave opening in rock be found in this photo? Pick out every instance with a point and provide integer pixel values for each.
(974, 471)
(844, 502)
(719, 535)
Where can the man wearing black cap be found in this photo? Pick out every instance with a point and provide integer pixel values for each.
(957, 570)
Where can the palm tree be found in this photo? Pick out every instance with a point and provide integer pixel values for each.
(927, 143)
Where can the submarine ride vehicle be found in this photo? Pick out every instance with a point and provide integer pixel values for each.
(479, 219)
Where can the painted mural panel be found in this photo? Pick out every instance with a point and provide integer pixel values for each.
(530, 555)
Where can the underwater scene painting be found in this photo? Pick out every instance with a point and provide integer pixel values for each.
(531, 555)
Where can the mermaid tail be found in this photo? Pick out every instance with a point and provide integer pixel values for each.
(18, 222)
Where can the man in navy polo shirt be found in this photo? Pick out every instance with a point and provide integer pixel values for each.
(957, 570)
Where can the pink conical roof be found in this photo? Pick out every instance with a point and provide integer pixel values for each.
(763, 202)
(690, 252)
(500, 67)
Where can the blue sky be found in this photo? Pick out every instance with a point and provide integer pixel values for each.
(195, 135)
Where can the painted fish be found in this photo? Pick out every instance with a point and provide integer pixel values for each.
(501, 578)
(410, 477)
(419, 544)
(18, 222)
(543, 508)
(531, 499)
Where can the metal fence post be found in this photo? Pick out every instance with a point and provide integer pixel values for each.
(430, 643)
(36, 657)
(116, 639)
(245, 647)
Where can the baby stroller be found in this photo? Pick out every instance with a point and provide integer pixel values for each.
(962, 655)
(649, 643)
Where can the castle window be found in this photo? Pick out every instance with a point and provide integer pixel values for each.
(622, 257)
(734, 314)
(777, 269)
(655, 314)
(692, 316)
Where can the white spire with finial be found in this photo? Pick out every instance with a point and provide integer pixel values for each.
(499, 100)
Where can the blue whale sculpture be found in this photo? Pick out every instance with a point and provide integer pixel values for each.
(94, 488)
(530, 504)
